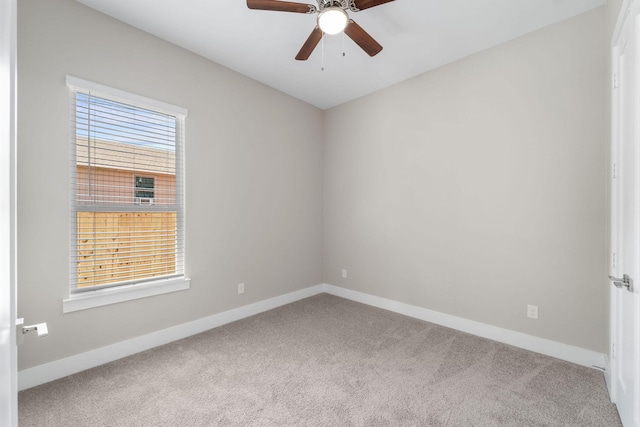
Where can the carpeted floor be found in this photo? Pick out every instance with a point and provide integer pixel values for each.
(326, 361)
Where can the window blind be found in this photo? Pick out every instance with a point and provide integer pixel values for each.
(127, 192)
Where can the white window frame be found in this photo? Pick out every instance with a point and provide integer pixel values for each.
(146, 288)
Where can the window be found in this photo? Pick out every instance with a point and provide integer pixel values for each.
(144, 187)
(145, 190)
(127, 190)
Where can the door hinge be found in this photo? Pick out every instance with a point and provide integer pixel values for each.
(613, 350)
(614, 260)
(615, 81)
(614, 170)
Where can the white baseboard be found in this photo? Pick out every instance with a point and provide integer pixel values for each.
(555, 349)
(47, 372)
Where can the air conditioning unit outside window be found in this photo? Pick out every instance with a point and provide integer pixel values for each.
(144, 201)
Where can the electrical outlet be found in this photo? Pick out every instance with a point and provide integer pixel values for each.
(532, 311)
(241, 288)
(344, 273)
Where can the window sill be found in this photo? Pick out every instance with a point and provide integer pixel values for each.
(92, 299)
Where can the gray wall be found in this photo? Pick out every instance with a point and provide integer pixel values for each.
(474, 189)
(253, 178)
(481, 187)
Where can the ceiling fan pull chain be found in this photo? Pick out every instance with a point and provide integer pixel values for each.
(322, 47)
(343, 49)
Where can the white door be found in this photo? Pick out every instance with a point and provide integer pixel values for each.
(8, 350)
(625, 300)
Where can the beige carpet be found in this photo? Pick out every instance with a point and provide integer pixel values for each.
(326, 361)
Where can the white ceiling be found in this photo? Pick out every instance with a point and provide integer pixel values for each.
(417, 35)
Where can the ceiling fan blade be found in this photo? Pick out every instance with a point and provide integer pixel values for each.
(281, 6)
(366, 4)
(362, 38)
(310, 44)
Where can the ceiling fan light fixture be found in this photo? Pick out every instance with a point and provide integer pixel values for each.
(333, 20)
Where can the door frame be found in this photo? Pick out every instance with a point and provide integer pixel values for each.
(629, 10)
(8, 271)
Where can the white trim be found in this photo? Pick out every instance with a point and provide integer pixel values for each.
(555, 349)
(623, 380)
(41, 374)
(98, 298)
(615, 201)
(8, 217)
(78, 84)
(625, 8)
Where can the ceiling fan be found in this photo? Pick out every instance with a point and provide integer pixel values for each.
(332, 19)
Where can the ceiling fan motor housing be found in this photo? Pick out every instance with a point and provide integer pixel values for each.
(342, 4)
